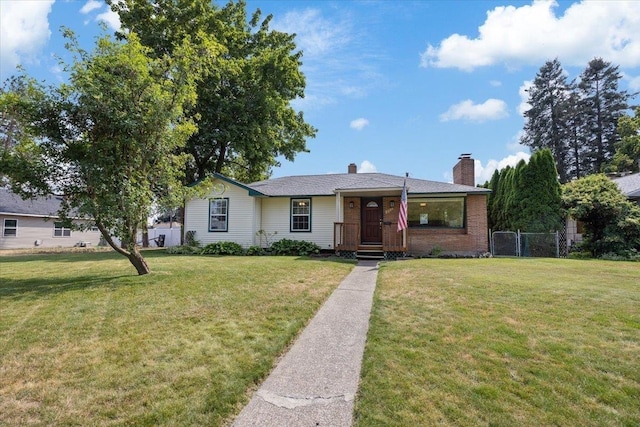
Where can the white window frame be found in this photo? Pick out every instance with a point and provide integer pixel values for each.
(60, 231)
(218, 214)
(295, 213)
(5, 228)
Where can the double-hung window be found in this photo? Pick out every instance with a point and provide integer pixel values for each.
(219, 214)
(59, 230)
(10, 228)
(300, 214)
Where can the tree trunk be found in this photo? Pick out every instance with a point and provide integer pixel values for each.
(134, 256)
(139, 262)
(145, 237)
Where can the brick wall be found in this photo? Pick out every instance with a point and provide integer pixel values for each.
(472, 239)
(464, 172)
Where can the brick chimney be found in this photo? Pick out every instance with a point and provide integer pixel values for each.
(464, 171)
(352, 168)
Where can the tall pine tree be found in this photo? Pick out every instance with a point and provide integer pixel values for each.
(602, 104)
(547, 122)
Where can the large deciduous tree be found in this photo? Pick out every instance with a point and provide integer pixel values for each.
(244, 115)
(107, 140)
(627, 155)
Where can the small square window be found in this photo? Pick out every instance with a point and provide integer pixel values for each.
(10, 228)
(59, 230)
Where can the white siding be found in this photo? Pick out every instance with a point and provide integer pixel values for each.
(36, 229)
(241, 217)
(276, 216)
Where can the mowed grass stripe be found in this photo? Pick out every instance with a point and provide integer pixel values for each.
(85, 341)
(503, 342)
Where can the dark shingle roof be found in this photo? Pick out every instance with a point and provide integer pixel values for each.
(329, 184)
(629, 185)
(11, 203)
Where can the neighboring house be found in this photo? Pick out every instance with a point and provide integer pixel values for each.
(629, 185)
(353, 214)
(34, 223)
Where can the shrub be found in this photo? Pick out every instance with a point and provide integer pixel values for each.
(223, 248)
(190, 239)
(255, 250)
(183, 250)
(628, 255)
(294, 247)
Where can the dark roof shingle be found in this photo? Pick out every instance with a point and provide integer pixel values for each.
(329, 184)
(11, 203)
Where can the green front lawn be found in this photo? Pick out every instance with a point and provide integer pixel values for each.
(503, 342)
(85, 341)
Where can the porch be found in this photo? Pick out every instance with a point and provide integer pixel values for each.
(347, 238)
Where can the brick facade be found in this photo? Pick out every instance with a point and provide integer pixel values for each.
(472, 239)
(464, 171)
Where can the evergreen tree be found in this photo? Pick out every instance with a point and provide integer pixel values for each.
(539, 198)
(547, 121)
(493, 185)
(602, 105)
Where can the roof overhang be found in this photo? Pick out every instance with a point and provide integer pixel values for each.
(369, 192)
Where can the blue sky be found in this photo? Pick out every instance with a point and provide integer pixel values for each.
(393, 86)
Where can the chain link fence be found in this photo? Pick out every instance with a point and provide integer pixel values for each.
(519, 244)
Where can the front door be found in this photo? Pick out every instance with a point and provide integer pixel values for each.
(372, 220)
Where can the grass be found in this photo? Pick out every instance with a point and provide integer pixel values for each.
(85, 341)
(503, 342)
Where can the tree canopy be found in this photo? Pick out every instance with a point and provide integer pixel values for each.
(627, 155)
(243, 112)
(611, 222)
(107, 140)
(578, 122)
(527, 197)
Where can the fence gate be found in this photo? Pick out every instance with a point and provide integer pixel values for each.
(505, 243)
(512, 243)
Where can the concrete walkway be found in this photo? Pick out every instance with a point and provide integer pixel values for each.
(316, 381)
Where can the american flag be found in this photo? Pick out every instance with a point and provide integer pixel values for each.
(402, 216)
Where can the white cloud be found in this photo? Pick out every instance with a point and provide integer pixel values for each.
(91, 5)
(495, 83)
(531, 34)
(524, 97)
(634, 82)
(24, 31)
(339, 60)
(491, 109)
(514, 146)
(359, 124)
(111, 18)
(484, 173)
(366, 167)
(315, 35)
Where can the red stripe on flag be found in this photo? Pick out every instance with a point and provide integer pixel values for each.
(402, 216)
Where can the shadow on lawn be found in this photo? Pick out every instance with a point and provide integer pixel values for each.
(30, 288)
